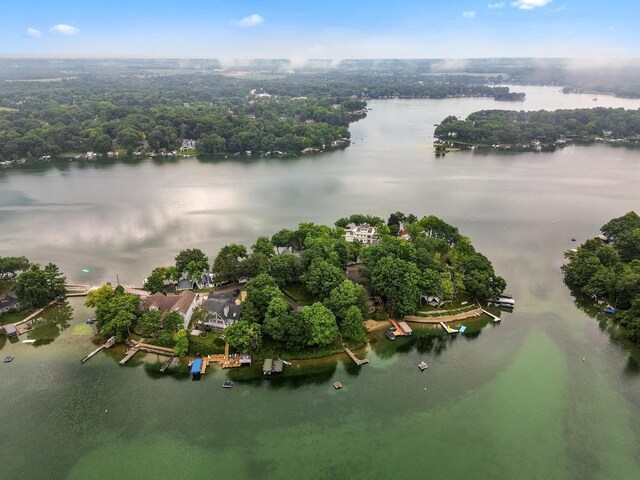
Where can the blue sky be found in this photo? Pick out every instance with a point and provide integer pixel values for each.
(319, 29)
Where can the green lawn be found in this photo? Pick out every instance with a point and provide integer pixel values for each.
(13, 317)
(211, 344)
(298, 293)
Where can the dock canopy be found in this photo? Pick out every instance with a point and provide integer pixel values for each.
(196, 366)
(405, 328)
(278, 365)
(268, 366)
(11, 330)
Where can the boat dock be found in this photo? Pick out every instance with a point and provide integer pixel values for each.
(495, 319)
(129, 355)
(145, 347)
(167, 364)
(400, 329)
(447, 328)
(355, 359)
(108, 344)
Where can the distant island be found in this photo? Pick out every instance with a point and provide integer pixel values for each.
(302, 293)
(540, 130)
(606, 269)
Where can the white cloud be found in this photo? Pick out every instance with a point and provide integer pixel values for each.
(530, 4)
(470, 14)
(250, 20)
(33, 33)
(64, 29)
(496, 5)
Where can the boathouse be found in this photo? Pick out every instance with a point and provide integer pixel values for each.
(196, 367)
(10, 330)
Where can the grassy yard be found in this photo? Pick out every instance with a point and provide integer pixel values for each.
(13, 317)
(298, 293)
(210, 344)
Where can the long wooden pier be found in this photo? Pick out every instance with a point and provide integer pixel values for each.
(167, 364)
(355, 359)
(130, 353)
(108, 344)
(145, 347)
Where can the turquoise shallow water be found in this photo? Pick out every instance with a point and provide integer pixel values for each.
(514, 400)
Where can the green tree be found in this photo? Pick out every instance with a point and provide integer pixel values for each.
(283, 239)
(35, 287)
(261, 290)
(210, 144)
(9, 266)
(191, 255)
(322, 325)
(226, 265)
(398, 283)
(155, 282)
(284, 268)
(321, 278)
(181, 339)
(353, 325)
(116, 311)
(244, 336)
(150, 324)
(616, 227)
(345, 296)
(263, 245)
(276, 318)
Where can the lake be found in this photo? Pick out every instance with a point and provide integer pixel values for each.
(548, 393)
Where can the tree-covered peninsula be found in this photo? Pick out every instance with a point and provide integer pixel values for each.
(606, 269)
(541, 129)
(307, 291)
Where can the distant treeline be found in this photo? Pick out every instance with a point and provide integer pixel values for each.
(499, 127)
(224, 114)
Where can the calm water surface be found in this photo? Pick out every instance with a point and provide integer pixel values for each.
(515, 400)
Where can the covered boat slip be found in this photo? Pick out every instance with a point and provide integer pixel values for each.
(272, 365)
(196, 366)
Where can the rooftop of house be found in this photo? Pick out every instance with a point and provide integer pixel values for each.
(225, 307)
(9, 300)
(169, 302)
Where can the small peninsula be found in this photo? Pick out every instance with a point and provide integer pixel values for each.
(606, 269)
(301, 293)
(540, 130)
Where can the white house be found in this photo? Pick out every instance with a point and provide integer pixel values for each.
(365, 234)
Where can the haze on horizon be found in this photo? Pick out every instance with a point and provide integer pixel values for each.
(308, 29)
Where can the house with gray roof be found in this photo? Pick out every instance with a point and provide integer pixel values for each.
(223, 310)
(9, 303)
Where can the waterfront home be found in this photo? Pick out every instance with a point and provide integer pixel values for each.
(9, 303)
(183, 303)
(11, 330)
(188, 144)
(364, 233)
(206, 280)
(224, 311)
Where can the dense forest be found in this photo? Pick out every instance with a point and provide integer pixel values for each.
(607, 270)
(127, 108)
(337, 279)
(546, 128)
